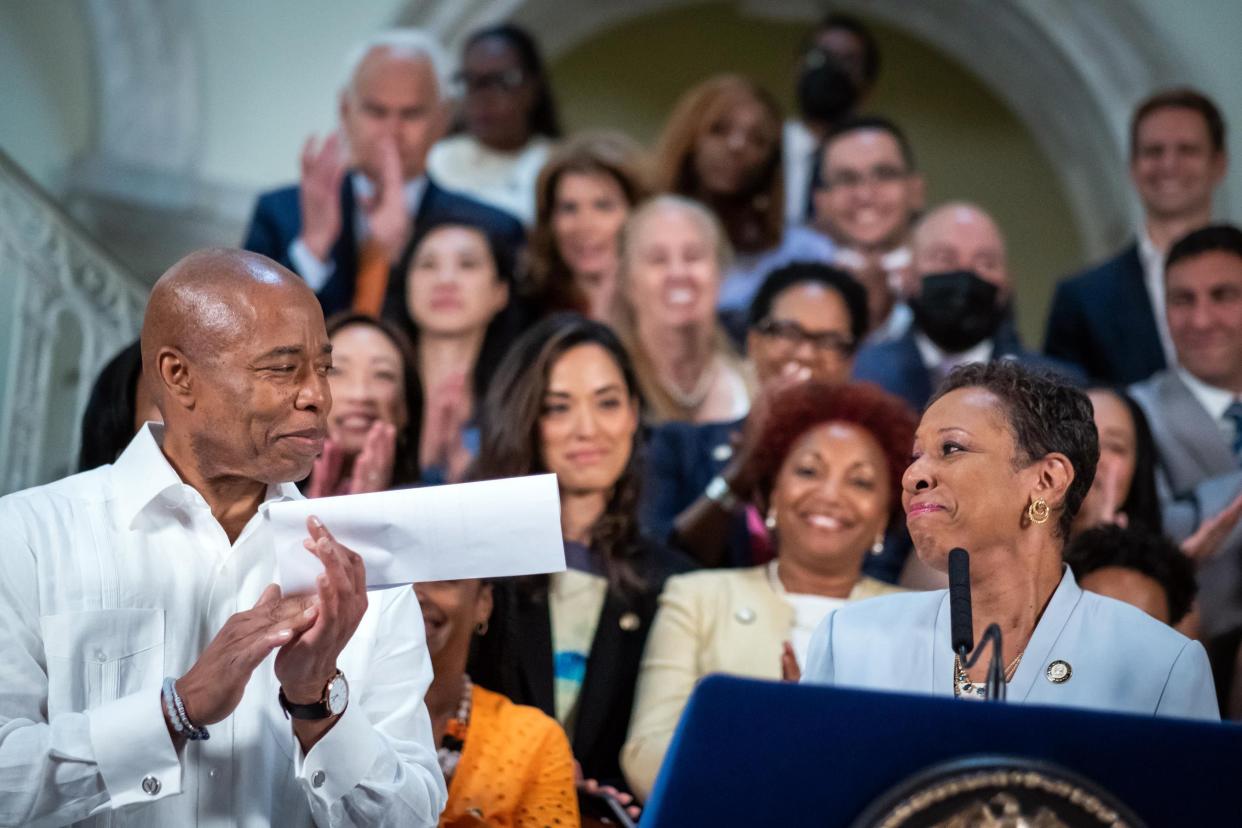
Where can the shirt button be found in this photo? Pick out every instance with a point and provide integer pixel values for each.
(317, 779)
(212, 773)
(151, 786)
(101, 656)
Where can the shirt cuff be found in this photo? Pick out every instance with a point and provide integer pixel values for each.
(133, 750)
(308, 266)
(341, 758)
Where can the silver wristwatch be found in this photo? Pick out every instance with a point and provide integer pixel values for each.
(718, 492)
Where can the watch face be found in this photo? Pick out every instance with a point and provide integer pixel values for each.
(338, 695)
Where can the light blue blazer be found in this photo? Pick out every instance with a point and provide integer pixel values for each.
(1121, 659)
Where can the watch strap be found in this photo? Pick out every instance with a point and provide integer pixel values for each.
(314, 711)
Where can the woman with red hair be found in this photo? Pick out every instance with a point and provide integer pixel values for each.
(827, 481)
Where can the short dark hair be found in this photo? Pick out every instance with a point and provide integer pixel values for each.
(543, 116)
(791, 275)
(1182, 97)
(877, 123)
(1215, 237)
(853, 25)
(1148, 553)
(796, 409)
(108, 421)
(1045, 414)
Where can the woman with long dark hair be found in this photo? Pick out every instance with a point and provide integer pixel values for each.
(377, 408)
(452, 295)
(566, 401)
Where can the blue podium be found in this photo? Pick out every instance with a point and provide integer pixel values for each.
(752, 752)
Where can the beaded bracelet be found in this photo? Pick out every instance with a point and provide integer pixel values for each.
(175, 708)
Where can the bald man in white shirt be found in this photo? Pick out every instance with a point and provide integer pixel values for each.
(137, 613)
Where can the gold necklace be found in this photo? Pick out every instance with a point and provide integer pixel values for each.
(962, 685)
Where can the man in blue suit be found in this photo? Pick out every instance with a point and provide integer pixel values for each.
(961, 313)
(365, 189)
(1110, 319)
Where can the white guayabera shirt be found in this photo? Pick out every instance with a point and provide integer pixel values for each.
(114, 578)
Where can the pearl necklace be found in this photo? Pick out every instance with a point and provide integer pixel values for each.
(963, 686)
(454, 739)
(691, 400)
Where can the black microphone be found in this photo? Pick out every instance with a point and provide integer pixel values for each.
(961, 624)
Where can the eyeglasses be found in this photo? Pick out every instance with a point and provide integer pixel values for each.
(507, 81)
(792, 334)
(878, 175)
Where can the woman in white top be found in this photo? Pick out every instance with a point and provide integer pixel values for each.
(828, 482)
(673, 252)
(508, 120)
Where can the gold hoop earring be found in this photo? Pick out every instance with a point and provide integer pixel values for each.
(1038, 511)
(480, 628)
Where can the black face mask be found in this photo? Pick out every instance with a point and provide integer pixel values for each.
(957, 310)
(826, 93)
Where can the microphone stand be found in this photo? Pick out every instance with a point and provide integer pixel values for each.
(994, 685)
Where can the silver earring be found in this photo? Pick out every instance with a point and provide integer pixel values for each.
(770, 520)
(877, 548)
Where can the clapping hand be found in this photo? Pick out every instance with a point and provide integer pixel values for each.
(447, 411)
(388, 217)
(307, 662)
(213, 687)
(323, 170)
(372, 469)
(1207, 539)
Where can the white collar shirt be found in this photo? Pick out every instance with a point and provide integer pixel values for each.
(111, 580)
(1152, 260)
(940, 363)
(1215, 401)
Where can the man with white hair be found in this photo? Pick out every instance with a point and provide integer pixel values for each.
(364, 190)
(961, 311)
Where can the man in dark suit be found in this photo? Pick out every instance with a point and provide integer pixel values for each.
(1195, 412)
(365, 189)
(1110, 318)
(961, 312)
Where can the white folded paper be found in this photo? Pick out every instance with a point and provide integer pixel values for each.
(490, 529)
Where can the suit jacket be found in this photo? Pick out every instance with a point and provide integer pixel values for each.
(1120, 658)
(277, 221)
(1103, 321)
(682, 458)
(897, 366)
(1189, 442)
(1197, 477)
(721, 621)
(514, 658)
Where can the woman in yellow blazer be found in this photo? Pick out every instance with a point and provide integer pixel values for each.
(824, 466)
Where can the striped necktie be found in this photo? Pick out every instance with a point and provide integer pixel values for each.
(1234, 415)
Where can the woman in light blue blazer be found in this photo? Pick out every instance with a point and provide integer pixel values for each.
(1003, 458)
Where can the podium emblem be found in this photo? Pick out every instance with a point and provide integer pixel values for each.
(997, 791)
(1059, 672)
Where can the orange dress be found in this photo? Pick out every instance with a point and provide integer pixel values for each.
(516, 769)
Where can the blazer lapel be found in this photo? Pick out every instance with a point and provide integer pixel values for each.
(915, 377)
(1130, 313)
(1039, 652)
(532, 641)
(602, 681)
(1194, 432)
